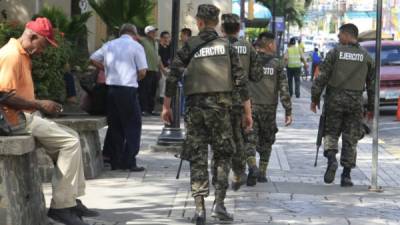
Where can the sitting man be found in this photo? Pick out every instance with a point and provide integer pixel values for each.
(61, 143)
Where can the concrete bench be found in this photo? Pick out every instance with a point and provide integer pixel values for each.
(21, 197)
(88, 130)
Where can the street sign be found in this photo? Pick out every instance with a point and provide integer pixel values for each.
(279, 24)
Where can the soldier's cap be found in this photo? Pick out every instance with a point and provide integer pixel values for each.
(230, 18)
(207, 11)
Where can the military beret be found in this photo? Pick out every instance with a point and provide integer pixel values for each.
(230, 18)
(208, 11)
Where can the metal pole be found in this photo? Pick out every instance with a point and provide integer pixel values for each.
(273, 16)
(173, 135)
(375, 132)
(242, 11)
(37, 6)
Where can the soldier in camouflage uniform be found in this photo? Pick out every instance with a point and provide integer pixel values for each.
(252, 69)
(264, 97)
(345, 73)
(213, 73)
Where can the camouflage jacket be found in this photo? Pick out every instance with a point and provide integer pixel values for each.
(181, 60)
(254, 73)
(282, 88)
(326, 71)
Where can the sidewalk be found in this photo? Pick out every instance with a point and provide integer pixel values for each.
(295, 194)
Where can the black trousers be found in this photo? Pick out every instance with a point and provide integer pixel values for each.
(124, 119)
(294, 73)
(147, 91)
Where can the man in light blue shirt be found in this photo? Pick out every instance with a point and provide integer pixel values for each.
(124, 63)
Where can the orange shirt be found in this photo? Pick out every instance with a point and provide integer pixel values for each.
(15, 74)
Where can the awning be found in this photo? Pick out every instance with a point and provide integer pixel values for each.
(360, 15)
(260, 11)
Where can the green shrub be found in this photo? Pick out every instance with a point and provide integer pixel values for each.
(48, 71)
(75, 31)
(9, 30)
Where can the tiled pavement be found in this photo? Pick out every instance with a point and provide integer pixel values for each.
(295, 195)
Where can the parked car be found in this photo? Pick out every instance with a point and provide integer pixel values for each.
(390, 70)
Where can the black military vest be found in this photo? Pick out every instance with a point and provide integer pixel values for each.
(350, 68)
(209, 71)
(243, 49)
(265, 92)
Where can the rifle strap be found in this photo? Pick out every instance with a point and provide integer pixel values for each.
(200, 46)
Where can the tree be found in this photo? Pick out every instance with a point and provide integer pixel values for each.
(115, 13)
(292, 10)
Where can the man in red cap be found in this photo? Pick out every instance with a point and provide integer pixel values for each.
(61, 143)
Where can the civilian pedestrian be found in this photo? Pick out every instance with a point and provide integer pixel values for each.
(164, 50)
(186, 33)
(148, 86)
(293, 60)
(316, 60)
(23, 110)
(123, 111)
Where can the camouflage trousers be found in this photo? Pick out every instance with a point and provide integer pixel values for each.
(208, 125)
(240, 156)
(264, 130)
(343, 117)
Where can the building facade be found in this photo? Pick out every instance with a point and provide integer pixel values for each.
(188, 10)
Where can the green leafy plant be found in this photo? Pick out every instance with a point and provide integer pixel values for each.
(115, 13)
(252, 33)
(292, 10)
(9, 29)
(48, 70)
(74, 30)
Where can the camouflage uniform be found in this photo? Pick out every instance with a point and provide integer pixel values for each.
(264, 109)
(343, 106)
(254, 74)
(207, 119)
(252, 70)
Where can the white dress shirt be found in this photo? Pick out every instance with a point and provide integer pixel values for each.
(122, 58)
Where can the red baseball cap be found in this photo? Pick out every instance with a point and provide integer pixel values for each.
(43, 27)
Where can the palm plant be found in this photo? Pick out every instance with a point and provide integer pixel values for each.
(292, 10)
(115, 13)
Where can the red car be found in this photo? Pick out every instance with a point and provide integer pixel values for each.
(390, 70)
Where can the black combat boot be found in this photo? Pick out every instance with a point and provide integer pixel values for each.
(330, 173)
(200, 212)
(238, 181)
(346, 179)
(218, 210)
(253, 172)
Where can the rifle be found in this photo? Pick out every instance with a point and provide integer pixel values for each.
(321, 134)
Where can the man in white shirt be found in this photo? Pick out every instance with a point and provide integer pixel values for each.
(124, 63)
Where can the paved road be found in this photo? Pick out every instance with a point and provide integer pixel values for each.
(295, 194)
